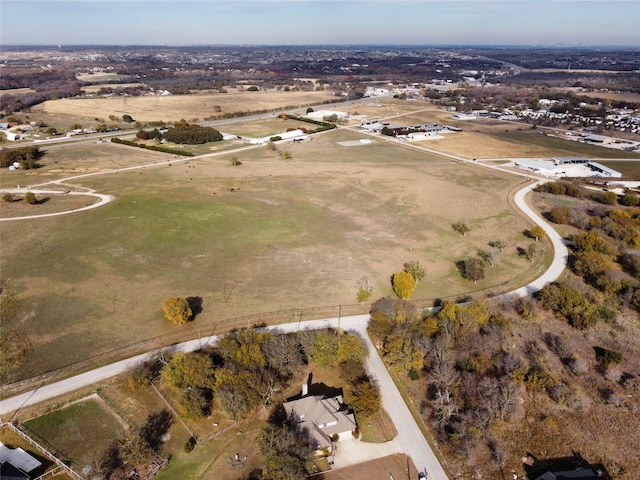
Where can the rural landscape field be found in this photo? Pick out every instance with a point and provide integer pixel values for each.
(270, 234)
(311, 200)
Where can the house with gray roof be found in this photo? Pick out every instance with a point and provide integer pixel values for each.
(322, 417)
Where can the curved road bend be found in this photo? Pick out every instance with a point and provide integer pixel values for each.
(102, 200)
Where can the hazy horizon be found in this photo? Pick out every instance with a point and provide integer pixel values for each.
(537, 23)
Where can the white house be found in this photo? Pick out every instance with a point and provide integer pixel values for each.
(417, 136)
(283, 136)
(322, 114)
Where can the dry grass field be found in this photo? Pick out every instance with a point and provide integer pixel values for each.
(175, 107)
(16, 91)
(99, 77)
(270, 234)
(483, 138)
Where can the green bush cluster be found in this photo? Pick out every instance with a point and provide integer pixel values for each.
(156, 148)
(25, 156)
(192, 134)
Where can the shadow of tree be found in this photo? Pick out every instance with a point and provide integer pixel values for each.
(576, 464)
(156, 426)
(195, 303)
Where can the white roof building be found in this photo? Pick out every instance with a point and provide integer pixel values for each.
(283, 136)
(322, 114)
(18, 458)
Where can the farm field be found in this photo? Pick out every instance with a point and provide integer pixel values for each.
(271, 234)
(175, 107)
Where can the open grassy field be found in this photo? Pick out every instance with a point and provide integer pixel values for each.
(78, 433)
(270, 234)
(96, 77)
(176, 107)
(16, 91)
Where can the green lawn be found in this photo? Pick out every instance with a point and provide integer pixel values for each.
(79, 433)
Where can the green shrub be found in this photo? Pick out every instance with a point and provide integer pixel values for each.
(608, 358)
(189, 445)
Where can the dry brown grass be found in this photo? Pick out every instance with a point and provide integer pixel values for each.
(293, 233)
(176, 107)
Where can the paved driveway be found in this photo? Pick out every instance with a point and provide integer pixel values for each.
(352, 452)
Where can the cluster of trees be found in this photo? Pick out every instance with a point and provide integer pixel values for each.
(604, 254)
(184, 133)
(149, 134)
(46, 84)
(404, 282)
(285, 448)
(136, 448)
(26, 156)
(470, 378)
(156, 148)
(247, 367)
(245, 370)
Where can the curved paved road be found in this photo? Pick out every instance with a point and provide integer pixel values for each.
(102, 200)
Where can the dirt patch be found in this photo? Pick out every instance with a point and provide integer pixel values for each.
(396, 466)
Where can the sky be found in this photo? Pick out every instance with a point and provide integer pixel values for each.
(320, 22)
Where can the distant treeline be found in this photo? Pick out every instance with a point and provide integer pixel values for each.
(25, 156)
(322, 125)
(156, 148)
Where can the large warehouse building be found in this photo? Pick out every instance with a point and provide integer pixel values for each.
(566, 167)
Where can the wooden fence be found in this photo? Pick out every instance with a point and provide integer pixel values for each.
(60, 466)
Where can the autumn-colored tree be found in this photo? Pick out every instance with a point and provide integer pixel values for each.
(401, 353)
(242, 349)
(537, 233)
(351, 347)
(364, 398)
(186, 370)
(177, 310)
(403, 284)
(365, 289)
(560, 215)
(30, 198)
